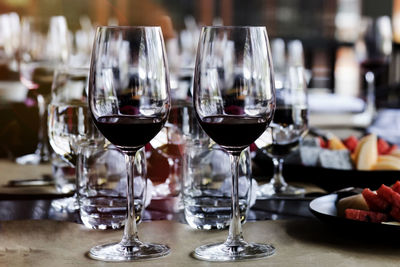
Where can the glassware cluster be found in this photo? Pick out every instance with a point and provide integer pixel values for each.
(234, 102)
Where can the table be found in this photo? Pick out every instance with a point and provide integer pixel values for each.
(32, 233)
(298, 243)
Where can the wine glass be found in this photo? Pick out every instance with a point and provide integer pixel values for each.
(130, 101)
(70, 125)
(286, 130)
(44, 47)
(9, 40)
(373, 49)
(234, 100)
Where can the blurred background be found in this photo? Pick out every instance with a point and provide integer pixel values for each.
(329, 32)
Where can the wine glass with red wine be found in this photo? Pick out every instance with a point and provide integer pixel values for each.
(129, 100)
(288, 127)
(234, 100)
(44, 47)
(374, 48)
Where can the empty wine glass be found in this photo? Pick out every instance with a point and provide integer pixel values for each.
(130, 101)
(70, 125)
(9, 40)
(288, 127)
(43, 48)
(234, 99)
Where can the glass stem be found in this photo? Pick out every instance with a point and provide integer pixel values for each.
(130, 237)
(78, 171)
(235, 237)
(278, 180)
(370, 79)
(42, 148)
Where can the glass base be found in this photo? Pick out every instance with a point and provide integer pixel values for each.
(271, 190)
(69, 204)
(138, 251)
(223, 252)
(31, 159)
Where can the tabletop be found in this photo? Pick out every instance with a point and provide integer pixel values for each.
(33, 233)
(297, 242)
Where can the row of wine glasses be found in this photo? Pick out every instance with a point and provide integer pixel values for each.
(234, 101)
(44, 45)
(43, 48)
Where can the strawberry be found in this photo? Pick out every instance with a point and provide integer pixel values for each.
(351, 143)
(383, 147)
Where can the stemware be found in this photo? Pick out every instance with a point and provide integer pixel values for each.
(130, 101)
(69, 123)
(286, 130)
(9, 40)
(43, 48)
(373, 49)
(234, 99)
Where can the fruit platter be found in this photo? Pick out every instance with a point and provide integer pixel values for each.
(378, 208)
(333, 163)
(367, 153)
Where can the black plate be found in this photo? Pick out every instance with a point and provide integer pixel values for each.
(328, 179)
(324, 208)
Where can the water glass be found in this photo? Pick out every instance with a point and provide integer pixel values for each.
(102, 187)
(207, 185)
(63, 174)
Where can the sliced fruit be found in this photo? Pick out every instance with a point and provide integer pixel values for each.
(386, 193)
(392, 149)
(387, 162)
(366, 216)
(388, 158)
(368, 153)
(389, 195)
(374, 201)
(352, 202)
(351, 143)
(322, 142)
(396, 187)
(383, 146)
(335, 143)
(356, 151)
(395, 213)
(395, 152)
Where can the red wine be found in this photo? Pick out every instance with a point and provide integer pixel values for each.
(129, 132)
(234, 133)
(374, 64)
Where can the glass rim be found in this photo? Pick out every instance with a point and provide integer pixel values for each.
(127, 27)
(235, 27)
